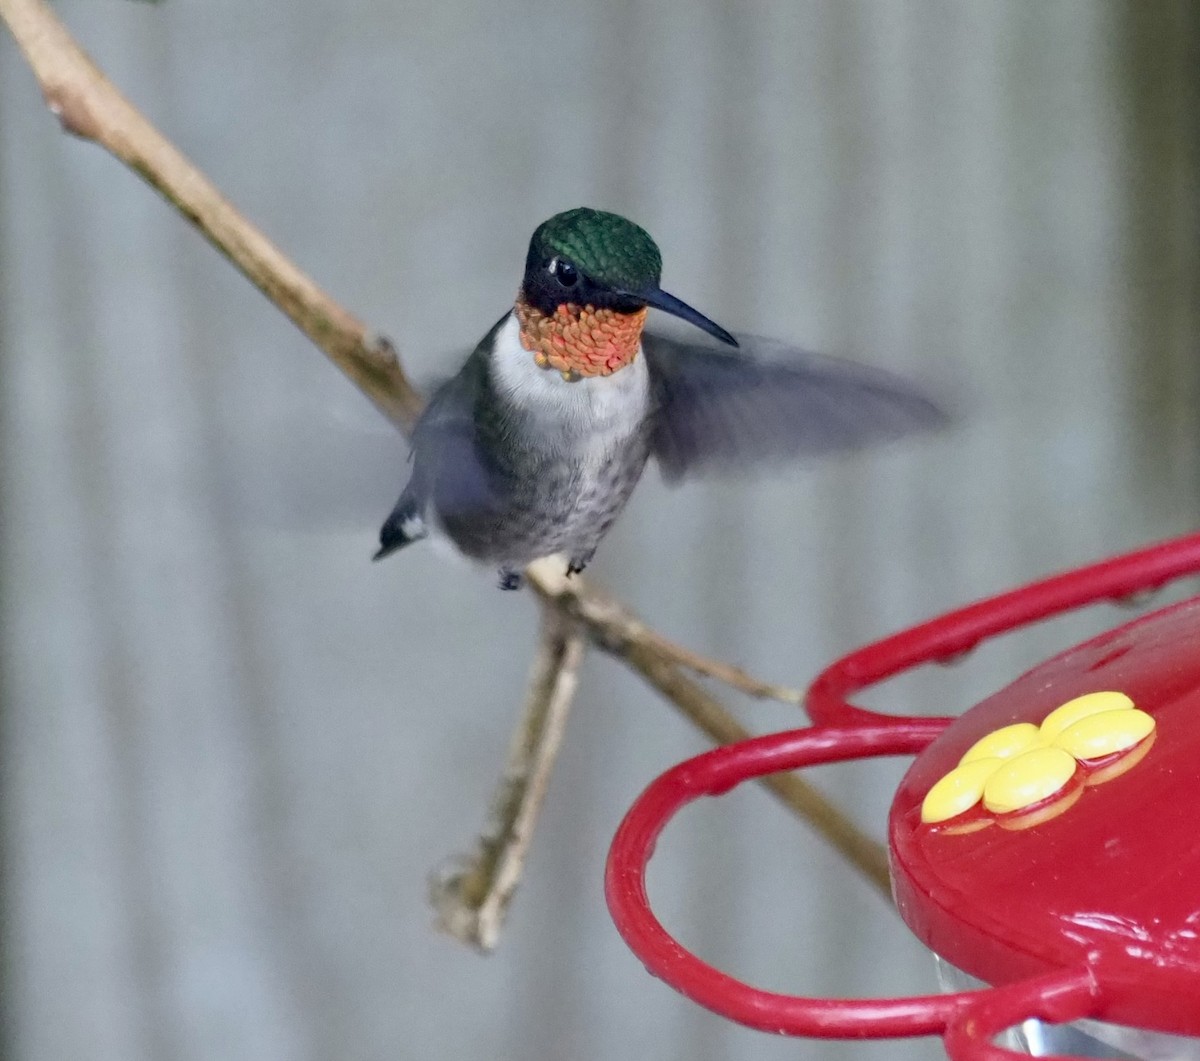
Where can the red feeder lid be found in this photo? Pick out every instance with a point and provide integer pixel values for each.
(1105, 872)
(1054, 859)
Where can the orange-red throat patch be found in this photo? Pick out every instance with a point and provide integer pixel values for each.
(580, 340)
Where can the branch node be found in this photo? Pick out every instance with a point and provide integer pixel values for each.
(382, 347)
(70, 106)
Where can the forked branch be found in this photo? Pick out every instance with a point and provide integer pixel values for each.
(472, 902)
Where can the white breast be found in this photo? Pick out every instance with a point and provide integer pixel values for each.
(586, 418)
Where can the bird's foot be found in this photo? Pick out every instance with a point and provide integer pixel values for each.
(576, 564)
(510, 579)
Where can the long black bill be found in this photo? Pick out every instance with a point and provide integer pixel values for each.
(659, 299)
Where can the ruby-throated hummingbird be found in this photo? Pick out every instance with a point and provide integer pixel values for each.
(534, 447)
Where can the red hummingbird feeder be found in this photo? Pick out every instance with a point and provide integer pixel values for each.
(1041, 844)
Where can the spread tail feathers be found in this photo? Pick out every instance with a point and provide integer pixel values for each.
(404, 526)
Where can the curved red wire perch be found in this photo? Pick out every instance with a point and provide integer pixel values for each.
(960, 631)
(967, 1020)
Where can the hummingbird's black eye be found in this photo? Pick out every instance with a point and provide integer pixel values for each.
(564, 272)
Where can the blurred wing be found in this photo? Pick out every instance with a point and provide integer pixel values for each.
(724, 411)
(329, 466)
(447, 464)
(313, 469)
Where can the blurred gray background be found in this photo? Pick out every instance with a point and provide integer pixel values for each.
(232, 748)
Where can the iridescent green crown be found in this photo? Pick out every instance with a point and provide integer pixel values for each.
(611, 250)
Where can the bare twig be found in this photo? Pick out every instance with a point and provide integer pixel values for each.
(798, 795)
(615, 628)
(473, 902)
(733, 676)
(617, 631)
(472, 899)
(89, 106)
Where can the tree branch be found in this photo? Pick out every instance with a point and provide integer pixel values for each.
(88, 105)
(797, 795)
(472, 902)
(472, 899)
(617, 631)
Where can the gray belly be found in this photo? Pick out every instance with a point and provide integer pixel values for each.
(546, 503)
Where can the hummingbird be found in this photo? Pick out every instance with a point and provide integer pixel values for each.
(533, 448)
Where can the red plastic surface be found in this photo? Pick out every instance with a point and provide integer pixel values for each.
(1112, 882)
(1027, 909)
